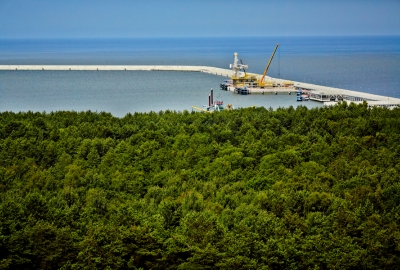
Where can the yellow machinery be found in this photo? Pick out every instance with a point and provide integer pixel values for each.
(247, 80)
(200, 109)
(287, 83)
(238, 80)
(250, 80)
(261, 83)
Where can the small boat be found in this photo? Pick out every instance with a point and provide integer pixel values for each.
(242, 91)
(213, 105)
(299, 95)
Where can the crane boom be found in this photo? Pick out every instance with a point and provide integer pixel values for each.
(269, 63)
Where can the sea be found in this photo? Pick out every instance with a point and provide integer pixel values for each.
(362, 63)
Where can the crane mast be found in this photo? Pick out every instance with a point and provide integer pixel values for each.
(269, 63)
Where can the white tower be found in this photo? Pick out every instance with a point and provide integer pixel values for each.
(236, 66)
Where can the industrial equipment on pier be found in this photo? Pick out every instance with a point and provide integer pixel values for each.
(244, 83)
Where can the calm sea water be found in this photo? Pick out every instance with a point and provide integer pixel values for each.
(369, 64)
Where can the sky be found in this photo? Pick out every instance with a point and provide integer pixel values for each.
(196, 18)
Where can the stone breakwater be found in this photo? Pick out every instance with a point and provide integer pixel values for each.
(321, 93)
(206, 69)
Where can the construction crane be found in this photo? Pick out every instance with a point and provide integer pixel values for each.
(269, 63)
(241, 78)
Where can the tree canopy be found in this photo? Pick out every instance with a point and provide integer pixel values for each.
(252, 188)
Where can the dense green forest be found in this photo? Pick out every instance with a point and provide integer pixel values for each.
(252, 188)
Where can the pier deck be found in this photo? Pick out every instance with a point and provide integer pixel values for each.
(330, 96)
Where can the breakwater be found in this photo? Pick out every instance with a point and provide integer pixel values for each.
(206, 69)
(328, 95)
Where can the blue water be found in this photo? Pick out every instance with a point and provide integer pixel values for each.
(369, 64)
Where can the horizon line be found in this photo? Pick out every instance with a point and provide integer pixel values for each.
(194, 37)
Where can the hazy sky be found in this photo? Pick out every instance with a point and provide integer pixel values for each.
(192, 18)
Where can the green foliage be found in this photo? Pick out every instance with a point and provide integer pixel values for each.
(245, 189)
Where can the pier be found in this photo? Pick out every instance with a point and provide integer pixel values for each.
(331, 95)
(205, 69)
(328, 95)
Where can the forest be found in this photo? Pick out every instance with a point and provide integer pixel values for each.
(254, 188)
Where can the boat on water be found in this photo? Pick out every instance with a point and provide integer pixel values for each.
(213, 105)
(302, 96)
(299, 95)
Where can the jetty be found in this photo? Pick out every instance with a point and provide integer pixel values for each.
(205, 69)
(331, 95)
(328, 95)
